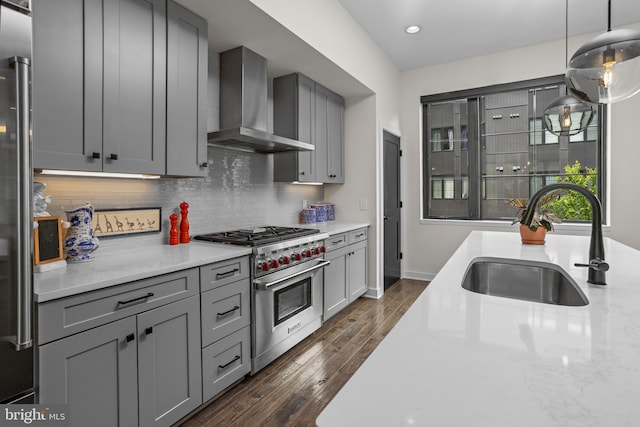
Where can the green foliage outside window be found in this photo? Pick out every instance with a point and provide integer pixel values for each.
(572, 205)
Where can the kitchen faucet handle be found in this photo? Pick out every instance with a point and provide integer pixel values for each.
(596, 264)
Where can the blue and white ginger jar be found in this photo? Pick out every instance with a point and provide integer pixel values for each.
(80, 242)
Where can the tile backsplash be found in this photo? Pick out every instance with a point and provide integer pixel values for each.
(238, 192)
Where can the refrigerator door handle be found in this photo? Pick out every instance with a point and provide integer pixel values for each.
(24, 338)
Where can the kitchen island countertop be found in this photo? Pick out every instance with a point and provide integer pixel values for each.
(459, 358)
(114, 266)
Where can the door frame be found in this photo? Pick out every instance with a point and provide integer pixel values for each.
(380, 208)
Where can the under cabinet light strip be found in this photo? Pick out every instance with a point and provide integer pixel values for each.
(97, 174)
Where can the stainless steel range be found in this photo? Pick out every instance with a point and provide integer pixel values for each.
(287, 286)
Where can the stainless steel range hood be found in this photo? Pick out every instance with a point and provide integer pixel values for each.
(243, 106)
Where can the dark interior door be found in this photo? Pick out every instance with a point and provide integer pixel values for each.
(392, 205)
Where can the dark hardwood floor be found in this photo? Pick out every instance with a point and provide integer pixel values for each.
(293, 390)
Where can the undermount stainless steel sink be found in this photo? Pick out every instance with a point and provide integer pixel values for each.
(525, 280)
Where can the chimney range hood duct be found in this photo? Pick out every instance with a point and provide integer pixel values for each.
(243, 106)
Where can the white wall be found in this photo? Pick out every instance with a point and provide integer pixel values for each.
(327, 27)
(428, 246)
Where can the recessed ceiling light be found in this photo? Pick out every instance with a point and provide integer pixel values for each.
(412, 29)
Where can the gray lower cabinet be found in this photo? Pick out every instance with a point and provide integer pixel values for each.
(186, 92)
(336, 293)
(346, 278)
(307, 111)
(95, 373)
(169, 365)
(226, 318)
(136, 358)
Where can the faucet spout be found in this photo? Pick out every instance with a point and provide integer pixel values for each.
(596, 246)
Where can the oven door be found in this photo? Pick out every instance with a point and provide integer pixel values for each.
(287, 308)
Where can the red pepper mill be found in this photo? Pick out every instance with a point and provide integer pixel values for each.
(173, 231)
(184, 224)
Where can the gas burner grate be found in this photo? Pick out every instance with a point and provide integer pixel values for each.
(257, 235)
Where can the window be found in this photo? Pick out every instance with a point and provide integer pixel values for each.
(484, 146)
(442, 187)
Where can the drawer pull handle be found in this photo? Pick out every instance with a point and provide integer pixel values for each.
(360, 235)
(227, 364)
(130, 337)
(335, 242)
(139, 299)
(228, 311)
(149, 330)
(227, 273)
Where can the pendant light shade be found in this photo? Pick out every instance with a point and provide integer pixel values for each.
(607, 68)
(567, 115)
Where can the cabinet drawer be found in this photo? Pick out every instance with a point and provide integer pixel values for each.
(358, 235)
(225, 362)
(225, 310)
(223, 272)
(63, 317)
(336, 241)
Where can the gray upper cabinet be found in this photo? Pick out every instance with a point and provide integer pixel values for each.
(294, 117)
(134, 103)
(329, 130)
(67, 88)
(99, 87)
(186, 92)
(308, 112)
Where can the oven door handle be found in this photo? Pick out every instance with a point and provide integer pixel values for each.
(263, 286)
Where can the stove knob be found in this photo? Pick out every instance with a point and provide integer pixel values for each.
(296, 256)
(316, 251)
(285, 260)
(275, 263)
(264, 266)
(323, 249)
(307, 253)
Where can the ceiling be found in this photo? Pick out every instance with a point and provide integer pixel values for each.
(457, 29)
(483, 26)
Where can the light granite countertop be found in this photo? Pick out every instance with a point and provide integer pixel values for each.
(459, 358)
(335, 227)
(114, 266)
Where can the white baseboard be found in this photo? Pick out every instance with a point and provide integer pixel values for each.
(419, 275)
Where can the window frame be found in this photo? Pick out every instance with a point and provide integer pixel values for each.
(601, 160)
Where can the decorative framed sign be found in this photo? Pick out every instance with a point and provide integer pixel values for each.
(121, 222)
(47, 240)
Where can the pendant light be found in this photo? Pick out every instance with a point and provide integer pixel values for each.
(566, 115)
(606, 69)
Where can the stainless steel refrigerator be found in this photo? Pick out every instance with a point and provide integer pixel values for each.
(16, 219)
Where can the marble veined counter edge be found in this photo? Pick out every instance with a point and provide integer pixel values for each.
(113, 266)
(462, 358)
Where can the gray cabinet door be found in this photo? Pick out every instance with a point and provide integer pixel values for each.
(94, 372)
(335, 139)
(329, 136)
(67, 88)
(169, 362)
(295, 117)
(358, 282)
(336, 293)
(134, 105)
(186, 92)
